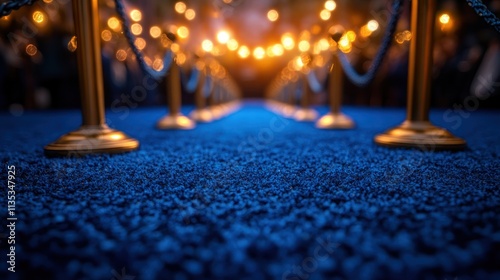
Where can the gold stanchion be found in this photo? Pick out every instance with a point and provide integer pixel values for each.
(201, 113)
(175, 119)
(305, 113)
(417, 131)
(94, 136)
(335, 119)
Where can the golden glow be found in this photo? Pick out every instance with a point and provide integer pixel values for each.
(207, 45)
(323, 44)
(47, 1)
(351, 35)
(345, 44)
(273, 15)
(330, 5)
(155, 31)
(38, 17)
(288, 41)
(298, 64)
(114, 23)
(304, 46)
(232, 45)
(183, 32)
(136, 15)
(259, 53)
(444, 19)
(72, 44)
(31, 50)
(175, 48)
(180, 7)
(278, 50)
(136, 29)
(121, 55)
(223, 37)
(190, 14)
(372, 25)
(325, 14)
(140, 43)
(106, 35)
(180, 59)
(244, 52)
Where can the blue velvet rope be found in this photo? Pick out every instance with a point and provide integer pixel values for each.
(485, 13)
(363, 80)
(193, 80)
(314, 82)
(167, 60)
(7, 7)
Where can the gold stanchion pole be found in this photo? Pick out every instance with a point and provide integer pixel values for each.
(305, 113)
(94, 136)
(335, 119)
(417, 131)
(201, 113)
(175, 119)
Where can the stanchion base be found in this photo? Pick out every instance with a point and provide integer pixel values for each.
(421, 135)
(177, 122)
(335, 121)
(217, 111)
(202, 116)
(288, 111)
(305, 115)
(92, 140)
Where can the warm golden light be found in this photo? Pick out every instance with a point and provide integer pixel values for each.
(444, 19)
(304, 46)
(273, 15)
(244, 52)
(140, 43)
(155, 32)
(223, 37)
(136, 29)
(106, 35)
(190, 14)
(183, 32)
(298, 64)
(121, 55)
(325, 15)
(31, 50)
(175, 48)
(72, 44)
(278, 50)
(259, 53)
(38, 17)
(136, 15)
(180, 7)
(114, 23)
(232, 45)
(288, 41)
(351, 36)
(207, 45)
(372, 25)
(330, 5)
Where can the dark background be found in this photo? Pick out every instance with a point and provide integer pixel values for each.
(48, 80)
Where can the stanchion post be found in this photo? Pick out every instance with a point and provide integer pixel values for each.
(335, 119)
(175, 120)
(417, 131)
(94, 136)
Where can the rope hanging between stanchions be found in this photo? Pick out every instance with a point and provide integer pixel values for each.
(193, 80)
(365, 79)
(314, 82)
(485, 13)
(167, 60)
(8, 7)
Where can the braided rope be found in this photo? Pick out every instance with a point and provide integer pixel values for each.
(8, 7)
(167, 61)
(485, 13)
(363, 80)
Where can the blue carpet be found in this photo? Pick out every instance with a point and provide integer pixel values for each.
(253, 196)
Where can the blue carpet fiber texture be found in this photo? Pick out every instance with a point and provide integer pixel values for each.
(253, 196)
